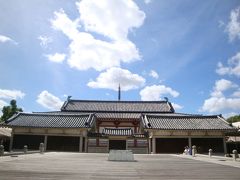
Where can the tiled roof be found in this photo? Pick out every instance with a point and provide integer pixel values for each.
(117, 131)
(118, 106)
(199, 122)
(112, 115)
(46, 120)
(102, 115)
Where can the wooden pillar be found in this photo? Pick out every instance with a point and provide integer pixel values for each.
(11, 142)
(45, 142)
(80, 143)
(154, 145)
(86, 145)
(97, 139)
(135, 140)
(149, 146)
(189, 142)
(224, 145)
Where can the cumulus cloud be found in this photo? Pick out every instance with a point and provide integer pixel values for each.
(218, 102)
(177, 106)
(44, 41)
(100, 17)
(49, 101)
(233, 27)
(155, 92)
(2, 103)
(111, 79)
(233, 67)
(153, 74)
(147, 1)
(57, 57)
(4, 39)
(223, 85)
(227, 115)
(11, 94)
(236, 93)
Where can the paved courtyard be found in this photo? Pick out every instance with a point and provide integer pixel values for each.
(57, 166)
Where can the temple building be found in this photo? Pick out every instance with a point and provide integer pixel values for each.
(98, 126)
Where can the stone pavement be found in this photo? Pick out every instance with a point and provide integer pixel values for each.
(214, 159)
(67, 166)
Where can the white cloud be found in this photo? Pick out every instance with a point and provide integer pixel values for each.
(218, 102)
(44, 41)
(49, 101)
(154, 74)
(4, 39)
(227, 115)
(111, 79)
(176, 106)
(11, 94)
(147, 1)
(2, 103)
(233, 27)
(155, 92)
(223, 85)
(57, 57)
(236, 93)
(101, 17)
(221, 70)
(233, 67)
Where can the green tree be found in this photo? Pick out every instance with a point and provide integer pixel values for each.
(9, 111)
(233, 119)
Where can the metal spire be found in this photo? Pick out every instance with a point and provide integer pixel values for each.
(119, 92)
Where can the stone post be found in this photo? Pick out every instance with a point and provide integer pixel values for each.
(25, 149)
(80, 144)
(41, 148)
(210, 152)
(235, 155)
(194, 150)
(45, 142)
(1, 150)
(154, 145)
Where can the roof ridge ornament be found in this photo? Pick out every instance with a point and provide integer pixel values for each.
(69, 98)
(166, 98)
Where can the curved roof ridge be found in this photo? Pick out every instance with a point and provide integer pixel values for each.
(116, 101)
(62, 113)
(174, 115)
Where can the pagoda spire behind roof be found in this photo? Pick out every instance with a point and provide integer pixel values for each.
(119, 92)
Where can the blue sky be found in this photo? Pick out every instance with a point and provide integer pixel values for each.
(186, 50)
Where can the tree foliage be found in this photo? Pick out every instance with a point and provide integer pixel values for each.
(9, 111)
(233, 119)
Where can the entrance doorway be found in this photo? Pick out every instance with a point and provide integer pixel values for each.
(117, 144)
(171, 145)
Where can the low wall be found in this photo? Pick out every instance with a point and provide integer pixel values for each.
(139, 150)
(97, 149)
